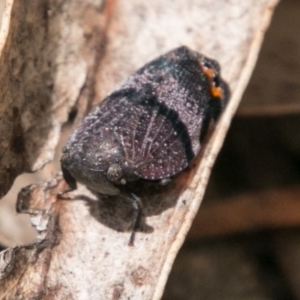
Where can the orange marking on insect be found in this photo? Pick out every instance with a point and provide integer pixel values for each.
(216, 92)
(210, 73)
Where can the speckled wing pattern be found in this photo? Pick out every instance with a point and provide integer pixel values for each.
(166, 104)
(154, 121)
(155, 141)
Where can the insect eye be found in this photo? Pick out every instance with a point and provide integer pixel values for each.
(114, 172)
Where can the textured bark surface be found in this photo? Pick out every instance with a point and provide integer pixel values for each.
(48, 62)
(82, 249)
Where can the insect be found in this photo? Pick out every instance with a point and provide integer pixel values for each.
(149, 128)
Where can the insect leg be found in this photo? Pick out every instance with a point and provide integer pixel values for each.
(137, 215)
(70, 181)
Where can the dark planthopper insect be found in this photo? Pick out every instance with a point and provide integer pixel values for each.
(149, 128)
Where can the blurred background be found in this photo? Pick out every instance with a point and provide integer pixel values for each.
(245, 240)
